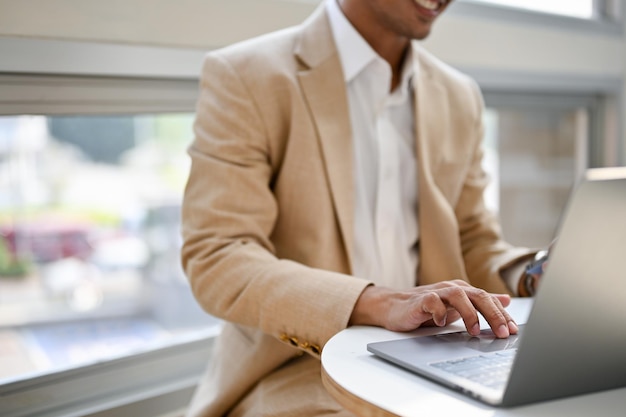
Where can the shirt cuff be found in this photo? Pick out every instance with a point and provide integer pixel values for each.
(512, 274)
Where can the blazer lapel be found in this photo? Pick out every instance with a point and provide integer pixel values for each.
(322, 83)
(431, 112)
(438, 257)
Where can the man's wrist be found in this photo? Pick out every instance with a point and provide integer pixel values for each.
(527, 286)
(523, 289)
(367, 310)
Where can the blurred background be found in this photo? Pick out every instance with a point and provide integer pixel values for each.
(96, 112)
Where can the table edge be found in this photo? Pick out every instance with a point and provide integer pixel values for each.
(352, 402)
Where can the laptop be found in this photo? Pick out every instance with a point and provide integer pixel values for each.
(574, 341)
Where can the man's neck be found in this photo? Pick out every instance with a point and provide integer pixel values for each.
(389, 46)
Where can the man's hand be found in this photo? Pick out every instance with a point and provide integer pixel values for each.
(436, 304)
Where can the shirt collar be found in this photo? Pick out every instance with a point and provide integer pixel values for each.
(355, 53)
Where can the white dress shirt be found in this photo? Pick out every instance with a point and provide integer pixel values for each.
(383, 130)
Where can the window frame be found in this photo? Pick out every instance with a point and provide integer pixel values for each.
(604, 95)
(608, 22)
(86, 78)
(93, 95)
(158, 382)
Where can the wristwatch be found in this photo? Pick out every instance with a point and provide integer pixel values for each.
(528, 284)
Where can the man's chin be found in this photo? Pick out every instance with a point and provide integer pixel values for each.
(421, 34)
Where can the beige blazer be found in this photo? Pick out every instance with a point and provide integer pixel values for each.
(268, 209)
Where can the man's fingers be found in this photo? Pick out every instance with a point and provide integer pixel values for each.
(457, 298)
(443, 303)
(449, 284)
(469, 301)
(504, 299)
(491, 307)
(433, 305)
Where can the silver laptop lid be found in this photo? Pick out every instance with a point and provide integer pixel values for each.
(575, 337)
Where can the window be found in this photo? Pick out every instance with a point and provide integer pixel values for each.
(588, 16)
(574, 8)
(92, 293)
(89, 237)
(537, 147)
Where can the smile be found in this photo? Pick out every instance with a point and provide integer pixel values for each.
(432, 5)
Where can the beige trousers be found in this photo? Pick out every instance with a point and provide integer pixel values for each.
(299, 378)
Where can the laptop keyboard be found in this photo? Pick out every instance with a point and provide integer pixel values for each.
(488, 369)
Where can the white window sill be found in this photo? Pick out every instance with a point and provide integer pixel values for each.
(156, 382)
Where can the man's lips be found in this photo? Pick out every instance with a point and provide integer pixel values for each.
(430, 7)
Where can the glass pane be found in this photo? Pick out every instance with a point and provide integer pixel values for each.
(574, 8)
(533, 155)
(89, 243)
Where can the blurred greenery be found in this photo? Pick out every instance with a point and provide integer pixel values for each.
(9, 266)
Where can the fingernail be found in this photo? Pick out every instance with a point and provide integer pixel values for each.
(476, 329)
(513, 327)
(503, 331)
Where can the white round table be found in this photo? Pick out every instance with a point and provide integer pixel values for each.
(369, 386)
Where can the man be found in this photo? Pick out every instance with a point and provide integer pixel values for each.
(336, 180)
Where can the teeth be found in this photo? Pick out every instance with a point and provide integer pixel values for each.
(428, 4)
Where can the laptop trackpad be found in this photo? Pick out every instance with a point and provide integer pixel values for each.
(484, 342)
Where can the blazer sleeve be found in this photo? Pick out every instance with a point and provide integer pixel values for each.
(486, 254)
(228, 214)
